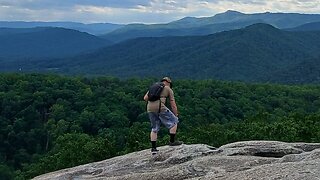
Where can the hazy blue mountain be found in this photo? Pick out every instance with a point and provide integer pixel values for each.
(209, 25)
(226, 17)
(315, 26)
(279, 20)
(139, 30)
(259, 52)
(12, 31)
(22, 43)
(94, 28)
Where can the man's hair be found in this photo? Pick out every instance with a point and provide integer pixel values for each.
(168, 80)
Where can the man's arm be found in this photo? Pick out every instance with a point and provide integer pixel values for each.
(173, 103)
(146, 97)
(174, 107)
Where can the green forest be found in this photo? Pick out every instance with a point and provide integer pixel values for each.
(50, 122)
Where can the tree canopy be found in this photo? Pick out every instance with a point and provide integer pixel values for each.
(50, 122)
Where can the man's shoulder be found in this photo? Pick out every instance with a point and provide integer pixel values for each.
(167, 91)
(167, 88)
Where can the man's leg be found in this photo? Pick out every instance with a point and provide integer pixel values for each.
(153, 139)
(171, 122)
(153, 136)
(155, 126)
(173, 132)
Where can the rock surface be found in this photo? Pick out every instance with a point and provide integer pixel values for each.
(241, 160)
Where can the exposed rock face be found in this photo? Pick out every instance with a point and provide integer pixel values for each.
(241, 160)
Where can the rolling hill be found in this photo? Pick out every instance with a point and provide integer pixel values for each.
(140, 30)
(306, 72)
(315, 26)
(259, 52)
(32, 43)
(93, 28)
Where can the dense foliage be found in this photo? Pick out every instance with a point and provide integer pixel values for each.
(50, 122)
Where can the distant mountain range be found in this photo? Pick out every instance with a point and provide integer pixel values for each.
(94, 28)
(257, 53)
(243, 47)
(208, 25)
(187, 26)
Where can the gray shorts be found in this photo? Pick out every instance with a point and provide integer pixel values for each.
(167, 118)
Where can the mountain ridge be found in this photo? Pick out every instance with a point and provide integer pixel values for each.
(315, 26)
(92, 28)
(258, 53)
(46, 42)
(174, 28)
(253, 53)
(247, 54)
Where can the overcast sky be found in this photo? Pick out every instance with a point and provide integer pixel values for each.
(141, 11)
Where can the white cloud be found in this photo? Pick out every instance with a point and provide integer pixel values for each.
(144, 11)
(95, 10)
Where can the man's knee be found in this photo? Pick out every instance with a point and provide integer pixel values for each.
(155, 130)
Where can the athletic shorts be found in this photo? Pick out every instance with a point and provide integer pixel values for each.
(167, 118)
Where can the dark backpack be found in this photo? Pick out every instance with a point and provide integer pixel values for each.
(155, 91)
